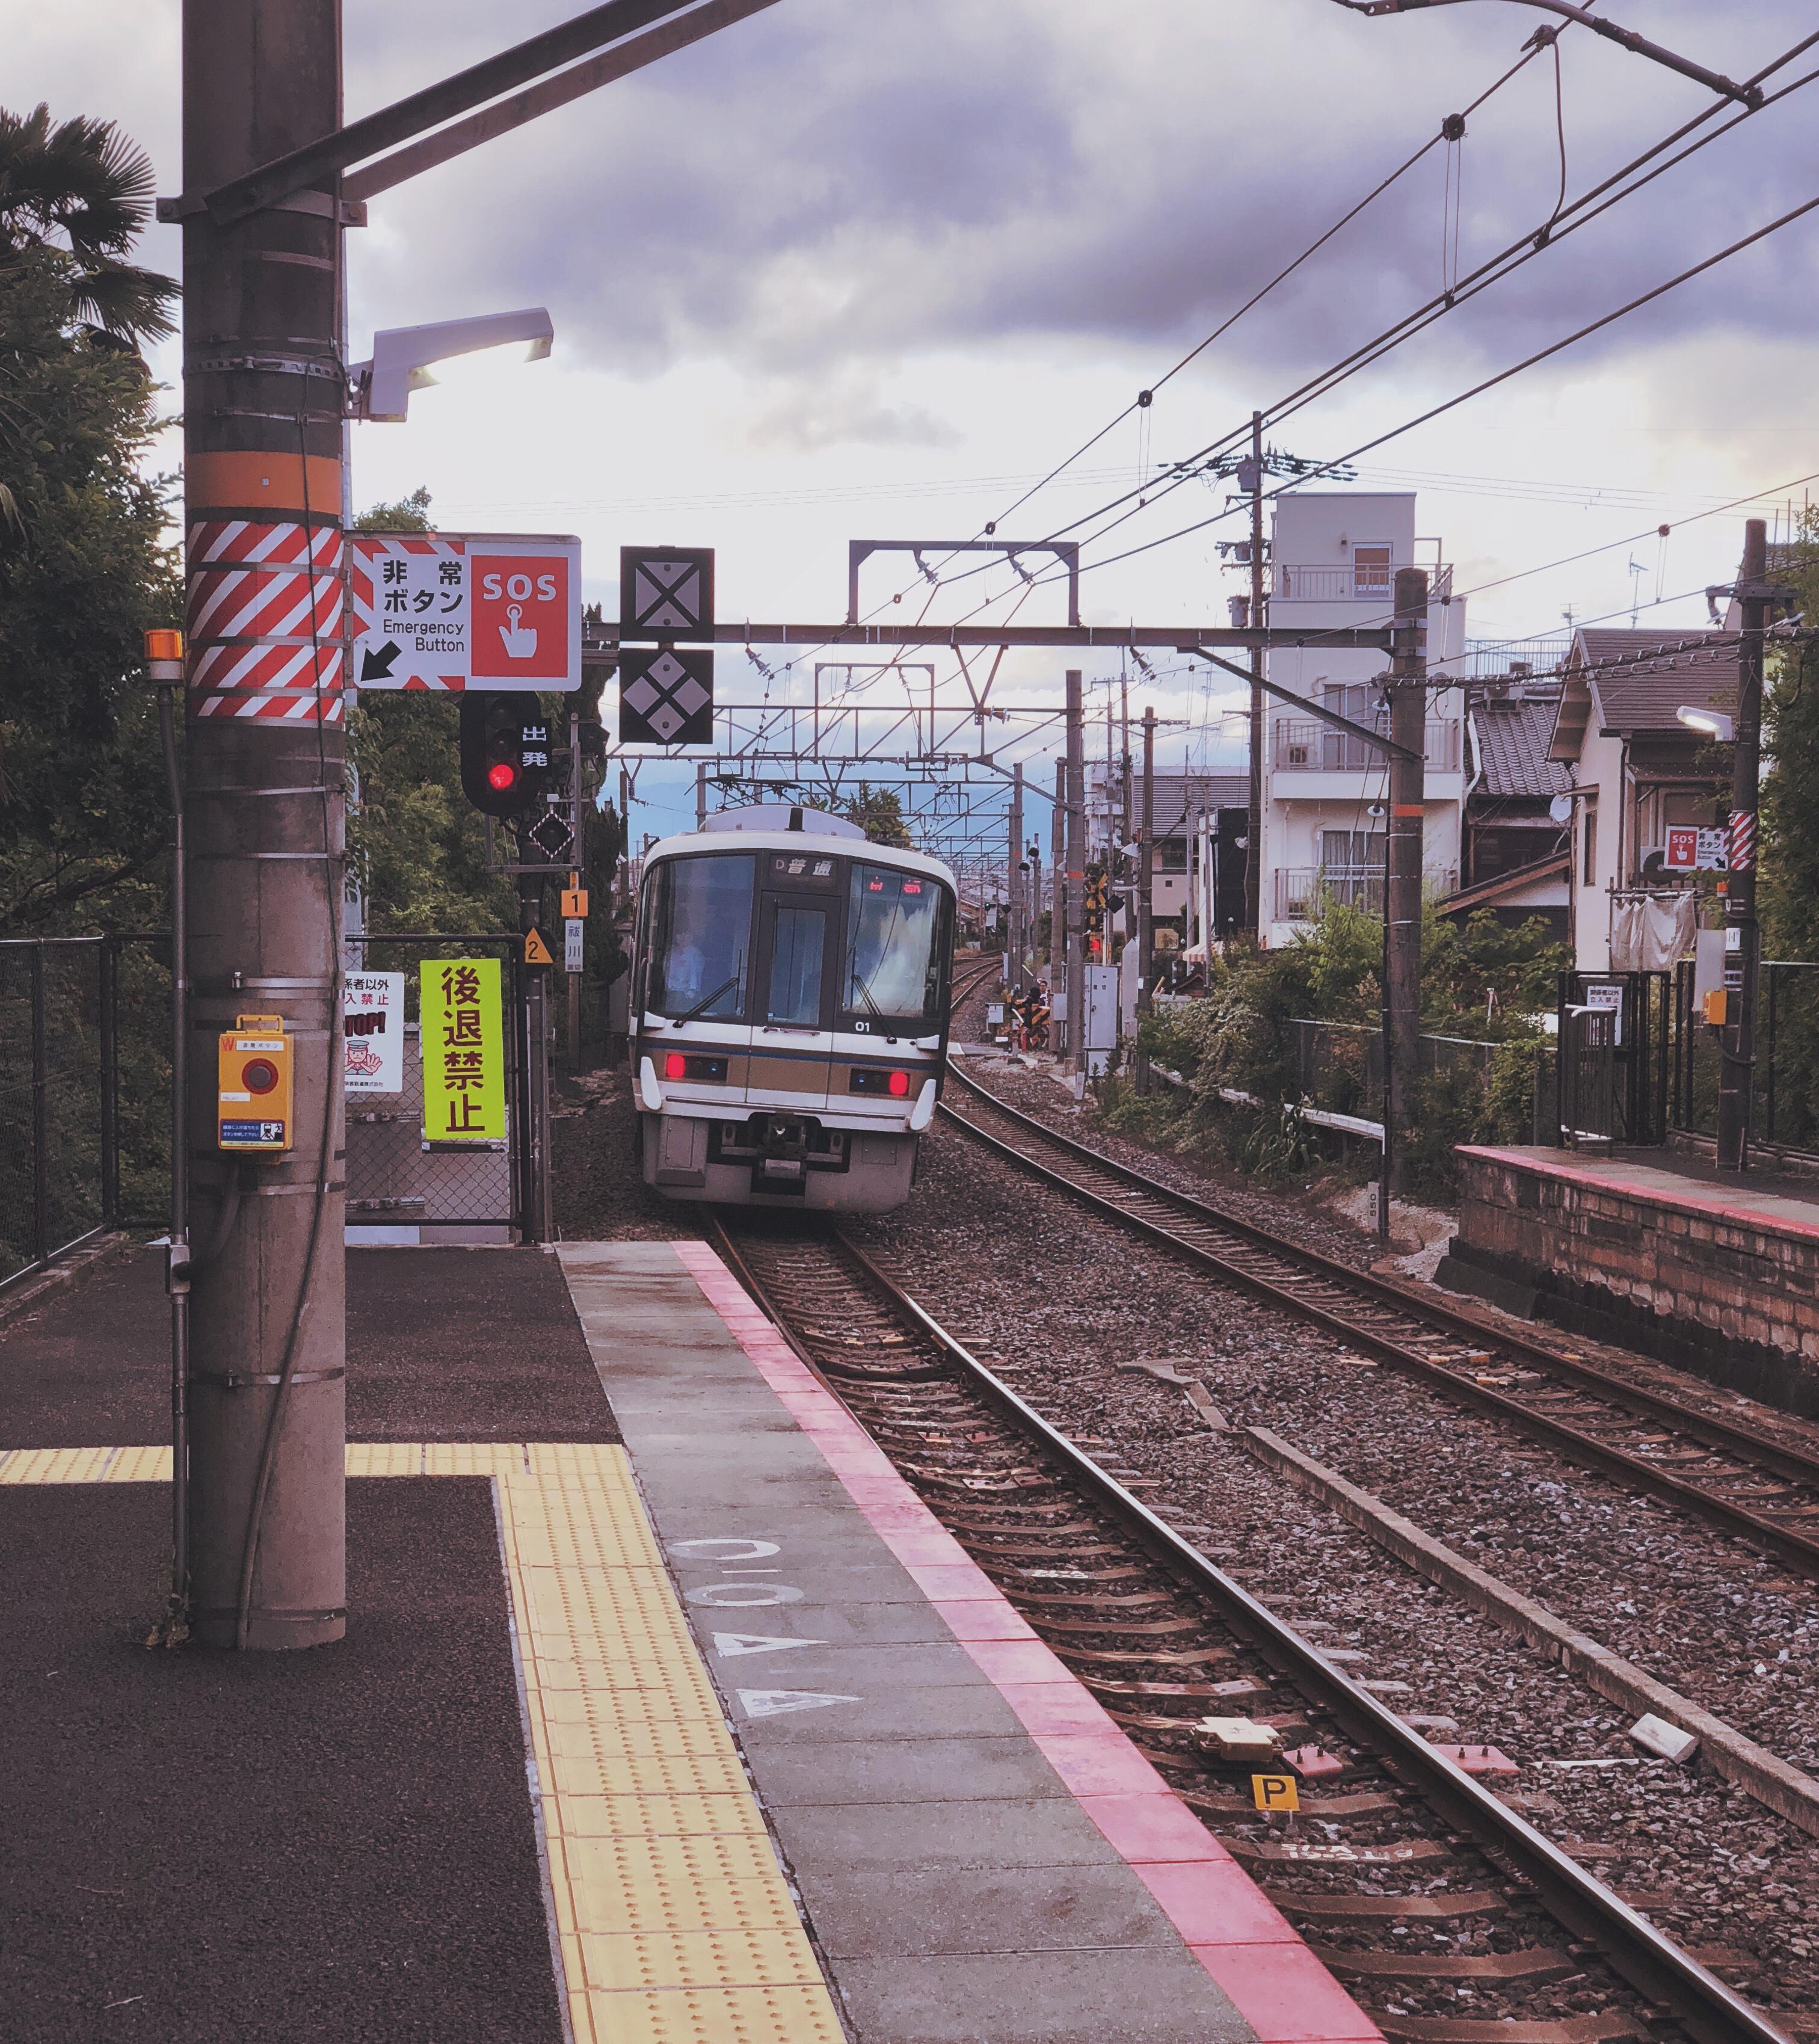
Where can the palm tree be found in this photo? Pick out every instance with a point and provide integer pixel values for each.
(80, 193)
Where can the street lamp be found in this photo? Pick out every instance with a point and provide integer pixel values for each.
(1750, 95)
(1713, 723)
(403, 356)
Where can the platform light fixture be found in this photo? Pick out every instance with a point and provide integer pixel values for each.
(1713, 723)
(403, 356)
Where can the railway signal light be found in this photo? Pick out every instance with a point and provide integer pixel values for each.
(506, 755)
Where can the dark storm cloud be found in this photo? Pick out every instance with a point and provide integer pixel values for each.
(841, 183)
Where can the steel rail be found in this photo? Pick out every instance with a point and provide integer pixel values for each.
(1798, 1549)
(1645, 1958)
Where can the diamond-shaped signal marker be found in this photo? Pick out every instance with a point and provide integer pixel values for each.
(552, 836)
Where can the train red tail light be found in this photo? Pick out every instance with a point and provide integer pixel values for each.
(675, 1065)
(899, 1085)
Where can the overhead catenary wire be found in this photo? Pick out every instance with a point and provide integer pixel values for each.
(1505, 263)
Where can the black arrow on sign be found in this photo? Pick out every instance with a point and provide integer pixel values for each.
(376, 667)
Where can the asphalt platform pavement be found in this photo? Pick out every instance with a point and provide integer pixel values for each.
(329, 1846)
(443, 1345)
(208, 1846)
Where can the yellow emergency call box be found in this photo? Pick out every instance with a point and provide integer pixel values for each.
(1715, 1006)
(256, 1071)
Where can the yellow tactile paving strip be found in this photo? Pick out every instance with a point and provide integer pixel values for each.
(676, 1924)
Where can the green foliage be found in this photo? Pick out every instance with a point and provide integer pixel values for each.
(73, 199)
(1238, 1039)
(879, 814)
(1788, 883)
(84, 571)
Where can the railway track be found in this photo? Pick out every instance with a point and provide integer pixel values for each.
(1450, 1918)
(1730, 1475)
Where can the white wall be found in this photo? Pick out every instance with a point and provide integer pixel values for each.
(1321, 530)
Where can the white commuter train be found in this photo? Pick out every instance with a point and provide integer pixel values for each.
(789, 996)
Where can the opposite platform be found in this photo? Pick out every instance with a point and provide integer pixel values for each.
(980, 1852)
(1717, 1272)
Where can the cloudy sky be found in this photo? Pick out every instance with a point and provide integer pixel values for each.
(871, 268)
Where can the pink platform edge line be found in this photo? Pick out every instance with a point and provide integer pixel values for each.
(1251, 1950)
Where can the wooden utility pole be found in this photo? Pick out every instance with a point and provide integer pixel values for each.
(263, 395)
(1146, 892)
(1076, 953)
(1743, 933)
(1254, 829)
(1019, 893)
(1057, 896)
(1402, 877)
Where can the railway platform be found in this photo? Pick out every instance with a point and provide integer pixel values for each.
(1654, 1249)
(795, 1769)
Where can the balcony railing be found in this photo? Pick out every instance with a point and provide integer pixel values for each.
(1301, 894)
(1346, 581)
(1304, 745)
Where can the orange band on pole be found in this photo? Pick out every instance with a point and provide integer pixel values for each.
(1409, 809)
(261, 482)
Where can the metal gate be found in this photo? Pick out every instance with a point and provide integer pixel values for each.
(1615, 1053)
(404, 1187)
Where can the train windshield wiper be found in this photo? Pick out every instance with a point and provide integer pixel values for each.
(701, 1007)
(865, 994)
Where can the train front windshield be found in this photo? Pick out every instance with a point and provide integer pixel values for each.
(893, 962)
(700, 933)
(727, 943)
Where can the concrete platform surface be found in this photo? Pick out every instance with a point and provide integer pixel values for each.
(980, 1852)
(664, 1720)
(1674, 1179)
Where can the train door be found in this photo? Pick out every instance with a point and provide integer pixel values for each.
(798, 944)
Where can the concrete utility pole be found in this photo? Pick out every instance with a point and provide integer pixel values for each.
(701, 794)
(1743, 934)
(262, 408)
(1253, 828)
(1403, 877)
(1076, 877)
(1018, 894)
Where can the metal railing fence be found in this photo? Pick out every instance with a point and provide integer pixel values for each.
(1784, 1109)
(1304, 745)
(85, 1092)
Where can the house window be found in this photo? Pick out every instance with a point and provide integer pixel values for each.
(1352, 865)
(1592, 844)
(1371, 569)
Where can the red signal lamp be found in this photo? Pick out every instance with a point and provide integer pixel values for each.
(501, 775)
(676, 1065)
(899, 1083)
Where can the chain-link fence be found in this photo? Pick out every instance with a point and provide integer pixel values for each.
(85, 1092)
(1490, 1090)
(398, 1179)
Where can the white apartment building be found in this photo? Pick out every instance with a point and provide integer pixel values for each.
(1332, 562)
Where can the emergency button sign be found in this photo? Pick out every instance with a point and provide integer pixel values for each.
(461, 610)
(526, 617)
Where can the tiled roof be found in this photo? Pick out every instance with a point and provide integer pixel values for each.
(1654, 672)
(1640, 679)
(1178, 797)
(1512, 737)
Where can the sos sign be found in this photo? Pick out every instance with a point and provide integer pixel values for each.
(462, 610)
(524, 615)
